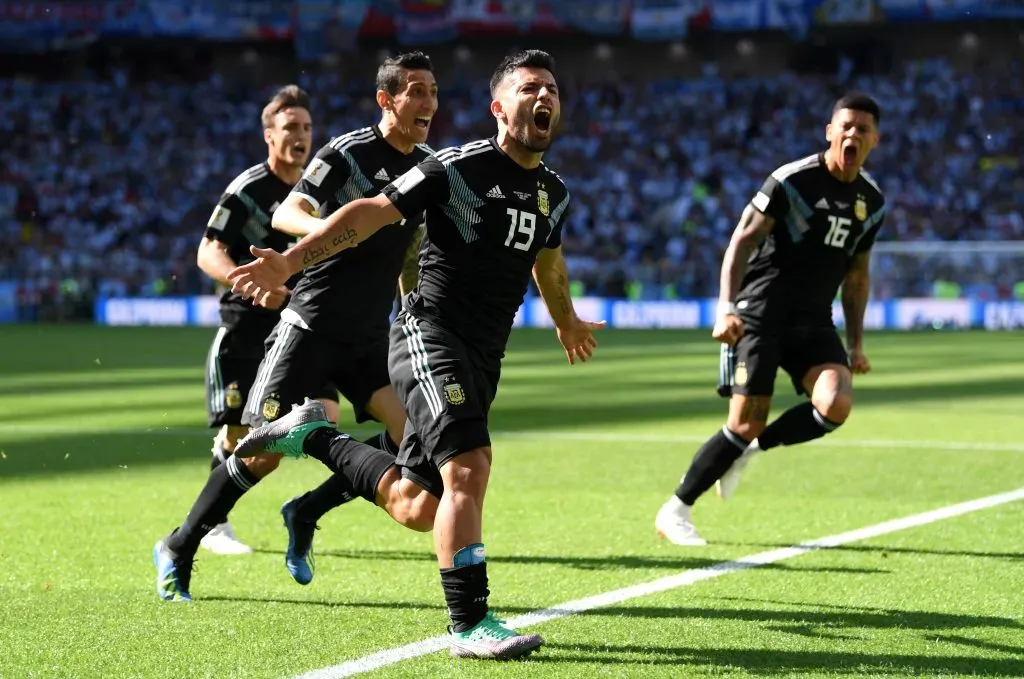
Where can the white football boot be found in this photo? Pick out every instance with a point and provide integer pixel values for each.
(222, 540)
(675, 524)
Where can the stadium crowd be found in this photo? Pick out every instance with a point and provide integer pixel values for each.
(106, 184)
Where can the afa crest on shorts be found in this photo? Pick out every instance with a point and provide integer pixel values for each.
(271, 408)
(232, 396)
(453, 392)
(739, 378)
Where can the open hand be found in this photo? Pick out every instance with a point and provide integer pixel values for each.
(259, 279)
(577, 339)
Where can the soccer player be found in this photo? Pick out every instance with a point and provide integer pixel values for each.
(808, 231)
(326, 333)
(494, 213)
(241, 219)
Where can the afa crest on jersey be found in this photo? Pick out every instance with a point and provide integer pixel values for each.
(860, 209)
(542, 202)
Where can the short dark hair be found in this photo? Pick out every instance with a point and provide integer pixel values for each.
(390, 76)
(289, 96)
(524, 59)
(858, 101)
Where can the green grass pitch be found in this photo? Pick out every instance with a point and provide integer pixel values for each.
(104, 447)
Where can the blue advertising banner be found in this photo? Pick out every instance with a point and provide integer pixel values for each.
(895, 314)
(8, 302)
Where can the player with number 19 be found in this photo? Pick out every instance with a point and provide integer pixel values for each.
(494, 215)
(808, 231)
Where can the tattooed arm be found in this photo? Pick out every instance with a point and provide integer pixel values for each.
(346, 228)
(552, 277)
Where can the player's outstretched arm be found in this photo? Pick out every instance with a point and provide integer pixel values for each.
(295, 217)
(214, 260)
(551, 274)
(353, 223)
(753, 227)
(856, 290)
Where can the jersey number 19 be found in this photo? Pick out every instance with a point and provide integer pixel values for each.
(524, 223)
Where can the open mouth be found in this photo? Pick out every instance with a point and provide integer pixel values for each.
(300, 148)
(542, 118)
(850, 153)
(422, 122)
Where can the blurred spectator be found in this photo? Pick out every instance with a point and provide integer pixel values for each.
(106, 184)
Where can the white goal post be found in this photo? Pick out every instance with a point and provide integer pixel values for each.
(981, 270)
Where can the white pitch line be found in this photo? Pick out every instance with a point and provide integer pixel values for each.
(392, 656)
(541, 434)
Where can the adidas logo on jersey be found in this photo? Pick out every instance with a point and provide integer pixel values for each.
(821, 204)
(382, 175)
(495, 192)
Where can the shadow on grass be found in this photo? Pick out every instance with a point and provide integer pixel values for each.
(823, 625)
(770, 662)
(883, 552)
(595, 563)
(93, 452)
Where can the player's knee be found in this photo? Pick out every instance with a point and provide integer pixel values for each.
(263, 464)
(835, 406)
(832, 396)
(468, 472)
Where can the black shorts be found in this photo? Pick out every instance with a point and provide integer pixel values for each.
(231, 366)
(749, 367)
(300, 363)
(447, 391)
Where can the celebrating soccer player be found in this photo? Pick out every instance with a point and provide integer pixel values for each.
(494, 213)
(808, 231)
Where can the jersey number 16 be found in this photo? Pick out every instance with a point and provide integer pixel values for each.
(524, 223)
(838, 231)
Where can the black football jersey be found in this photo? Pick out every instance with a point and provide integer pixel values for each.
(242, 218)
(821, 223)
(350, 296)
(487, 219)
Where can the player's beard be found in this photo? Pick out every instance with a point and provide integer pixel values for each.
(522, 137)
